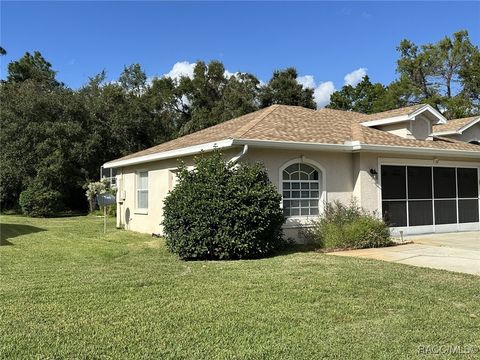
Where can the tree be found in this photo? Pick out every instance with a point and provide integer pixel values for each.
(204, 95)
(283, 88)
(444, 74)
(365, 97)
(32, 67)
(469, 75)
(42, 141)
(241, 95)
(133, 79)
(169, 106)
(433, 72)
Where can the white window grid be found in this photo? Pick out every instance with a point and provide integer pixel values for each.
(300, 196)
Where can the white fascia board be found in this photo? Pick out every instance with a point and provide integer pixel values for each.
(356, 146)
(449, 132)
(408, 117)
(387, 121)
(469, 125)
(417, 151)
(458, 131)
(350, 146)
(272, 144)
(190, 150)
(432, 110)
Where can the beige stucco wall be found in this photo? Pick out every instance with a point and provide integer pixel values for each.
(420, 128)
(401, 129)
(161, 178)
(337, 168)
(346, 176)
(338, 174)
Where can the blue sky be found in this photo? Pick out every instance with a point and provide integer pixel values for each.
(323, 40)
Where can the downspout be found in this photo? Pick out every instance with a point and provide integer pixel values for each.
(240, 155)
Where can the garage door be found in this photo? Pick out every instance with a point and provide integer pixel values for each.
(430, 198)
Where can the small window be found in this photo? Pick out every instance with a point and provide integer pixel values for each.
(142, 190)
(301, 190)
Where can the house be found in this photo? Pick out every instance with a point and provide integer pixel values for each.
(466, 129)
(393, 163)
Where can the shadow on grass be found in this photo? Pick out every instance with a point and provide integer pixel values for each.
(295, 248)
(8, 231)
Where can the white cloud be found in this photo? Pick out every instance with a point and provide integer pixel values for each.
(181, 68)
(229, 74)
(185, 68)
(321, 92)
(354, 77)
(307, 81)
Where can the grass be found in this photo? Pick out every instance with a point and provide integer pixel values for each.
(69, 292)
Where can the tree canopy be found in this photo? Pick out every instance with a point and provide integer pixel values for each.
(56, 138)
(445, 74)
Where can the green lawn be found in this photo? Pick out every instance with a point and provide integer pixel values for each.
(68, 291)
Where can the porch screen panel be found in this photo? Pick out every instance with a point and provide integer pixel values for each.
(394, 195)
(467, 195)
(420, 200)
(429, 195)
(445, 194)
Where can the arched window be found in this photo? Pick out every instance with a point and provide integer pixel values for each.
(301, 190)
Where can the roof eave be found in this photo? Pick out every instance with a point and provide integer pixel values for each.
(356, 146)
(418, 151)
(442, 133)
(171, 154)
(275, 144)
(469, 125)
(408, 117)
(349, 146)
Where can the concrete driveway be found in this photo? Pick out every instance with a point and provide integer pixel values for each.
(458, 252)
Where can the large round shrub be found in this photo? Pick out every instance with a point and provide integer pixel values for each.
(39, 201)
(222, 211)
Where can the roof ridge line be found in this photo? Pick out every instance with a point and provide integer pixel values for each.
(248, 126)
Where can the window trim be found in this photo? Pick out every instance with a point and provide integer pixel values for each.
(138, 210)
(322, 186)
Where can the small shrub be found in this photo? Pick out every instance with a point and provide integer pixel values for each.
(221, 211)
(39, 201)
(348, 226)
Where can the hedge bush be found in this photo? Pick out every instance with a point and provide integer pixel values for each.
(223, 211)
(348, 226)
(39, 201)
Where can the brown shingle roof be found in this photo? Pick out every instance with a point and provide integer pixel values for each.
(225, 130)
(391, 113)
(454, 125)
(297, 124)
